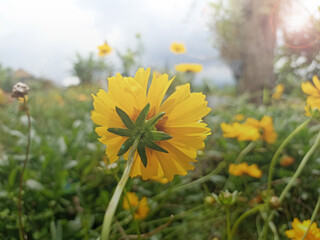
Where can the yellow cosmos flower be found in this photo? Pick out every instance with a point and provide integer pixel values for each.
(244, 169)
(286, 161)
(313, 104)
(188, 67)
(311, 90)
(141, 207)
(182, 110)
(278, 92)
(299, 229)
(177, 48)
(243, 132)
(162, 180)
(104, 49)
(269, 134)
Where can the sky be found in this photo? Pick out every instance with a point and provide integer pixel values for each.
(43, 36)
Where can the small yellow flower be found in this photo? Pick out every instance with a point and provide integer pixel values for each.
(177, 47)
(278, 92)
(269, 134)
(243, 132)
(311, 90)
(104, 49)
(182, 120)
(244, 169)
(188, 67)
(239, 117)
(162, 179)
(313, 104)
(21, 99)
(81, 97)
(141, 207)
(299, 229)
(286, 161)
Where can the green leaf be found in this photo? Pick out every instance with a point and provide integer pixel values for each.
(142, 115)
(142, 153)
(125, 146)
(120, 131)
(154, 146)
(159, 136)
(125, 118)
(153, 121)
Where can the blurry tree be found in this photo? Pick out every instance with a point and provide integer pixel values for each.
(90, 69)
(132, 57)
(6, 79)
(246, 41)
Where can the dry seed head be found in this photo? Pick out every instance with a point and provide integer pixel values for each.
(19, 90)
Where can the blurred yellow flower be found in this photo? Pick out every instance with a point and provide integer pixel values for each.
(177, 47)
(104, 49)
(21, 99)
(269, 134)
(239, 117)
(243, 132)
(299, 229)
(311, 90)
(2, 97)
(286, 161)
(182, 121)
(313, 100)
(278, 92)
(141, 207)
(188, 67)
(81, 97)
(244, 169)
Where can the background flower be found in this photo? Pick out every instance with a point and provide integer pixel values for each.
(177, 47)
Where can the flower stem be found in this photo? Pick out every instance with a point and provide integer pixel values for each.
(280, 148)
(300, 168)
(228, 223)
(245, 215)
(117, 193)
(21, 231)
(245, 151)
(315, 211)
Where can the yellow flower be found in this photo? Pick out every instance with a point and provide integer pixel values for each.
(313, 104)
(269, 134)
(104, 49)
(244, 169)
(182, 121)
(239, 117)
(299, 230)
(2, 97)
(177, 48)
(162, 179)
(286, 161)
(81, 97)
(243, 132)
(141, 207)
(188, 67)
(311, 90)
(278, 92)
(21, 99)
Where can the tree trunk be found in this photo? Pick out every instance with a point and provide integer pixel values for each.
(258, 48)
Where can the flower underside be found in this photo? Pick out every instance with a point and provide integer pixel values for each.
(143, 129)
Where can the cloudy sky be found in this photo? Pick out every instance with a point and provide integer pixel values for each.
(43, 36)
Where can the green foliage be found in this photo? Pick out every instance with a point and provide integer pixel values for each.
(68, 186)
(90, 69)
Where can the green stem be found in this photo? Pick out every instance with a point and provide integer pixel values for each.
(315, 211)
(21, 231)
(245, 151)
(117, 193)
(245, 215)
(279, 150)
(300, 168)
(228, 223)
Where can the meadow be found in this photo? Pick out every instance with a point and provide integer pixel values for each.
(68, 183)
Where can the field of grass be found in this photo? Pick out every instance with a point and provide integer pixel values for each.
(67, 185)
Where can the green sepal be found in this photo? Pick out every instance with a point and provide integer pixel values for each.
(142, 116)
(125, 118)
(120, 131)
(125, 146)
(153, 121)
(142, 153)
(154, 146)
(159, 136)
